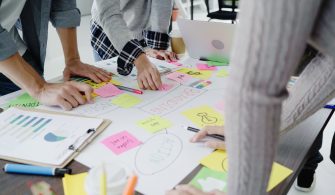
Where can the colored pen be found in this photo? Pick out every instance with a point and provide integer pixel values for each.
(35, 170)
(130, 187)
(129, 89)
(216, 136)
(329, 106)
(103, 182)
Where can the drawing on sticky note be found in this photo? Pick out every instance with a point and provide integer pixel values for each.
(121, 142)
(207, 119)
(158, 153)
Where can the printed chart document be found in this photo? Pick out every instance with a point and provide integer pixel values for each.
(42, 138)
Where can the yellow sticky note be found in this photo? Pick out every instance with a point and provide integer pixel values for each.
(218, 161)
(95, 85)
(114, 82)
(204, 116)
(154, 124)
(74, 184)
(200, 74)
(222, 73)
(126, 101)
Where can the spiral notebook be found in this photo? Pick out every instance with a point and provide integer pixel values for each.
(45, 138)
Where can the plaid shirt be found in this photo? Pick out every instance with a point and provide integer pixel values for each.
(102, 45)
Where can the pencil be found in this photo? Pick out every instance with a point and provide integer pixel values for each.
(130, 187)
(129, 89)
(216, 136)
(103, 184)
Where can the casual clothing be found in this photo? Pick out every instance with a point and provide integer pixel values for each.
(270, 39)
(34, 20)
(125, 27)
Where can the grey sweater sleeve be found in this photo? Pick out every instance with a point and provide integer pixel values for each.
(270, 40)
(112, 22)
(160, 15)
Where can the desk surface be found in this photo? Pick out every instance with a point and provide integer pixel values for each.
(292, 151)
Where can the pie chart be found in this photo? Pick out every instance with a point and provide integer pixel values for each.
(51, 137)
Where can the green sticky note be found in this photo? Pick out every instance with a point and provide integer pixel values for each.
(24, 100)
(126, 101)
(208, 180)
(221, 63)
(222, 73)
(154, 124)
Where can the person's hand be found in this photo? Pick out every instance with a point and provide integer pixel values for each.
(190, 190)
(162, 54)
(77, 68)
(148, 76)
(67, 95)
(216, 144)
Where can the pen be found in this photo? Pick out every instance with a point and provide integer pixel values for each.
(329, 106)
(35, 170)
(130, 187)
(129, 89)
(216, 136)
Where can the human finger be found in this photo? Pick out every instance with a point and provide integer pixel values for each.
(66, 94)
(199, 136)
(216, 144)
(83, 88)
(64, 104)
(190, 189)
(93, 77)
(78, 96)
(214, 130)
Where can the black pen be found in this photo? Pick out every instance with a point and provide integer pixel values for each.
(216, 136)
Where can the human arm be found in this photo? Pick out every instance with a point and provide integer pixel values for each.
(66, 95)
(269, 41)
(73, 64)
(129, 49)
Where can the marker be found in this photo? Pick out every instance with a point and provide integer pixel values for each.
(130, 187)
(329, 106)
(129, 89)
(35, 170)
(216, 136)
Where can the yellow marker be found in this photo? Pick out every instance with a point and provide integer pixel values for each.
(103, 183)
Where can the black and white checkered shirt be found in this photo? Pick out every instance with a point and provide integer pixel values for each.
(103, 46)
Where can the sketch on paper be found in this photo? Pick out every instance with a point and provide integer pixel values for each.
(158, 153)
(206, 119)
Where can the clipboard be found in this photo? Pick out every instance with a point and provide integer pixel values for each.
(76, 149)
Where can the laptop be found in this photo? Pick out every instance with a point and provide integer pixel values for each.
(204, 40)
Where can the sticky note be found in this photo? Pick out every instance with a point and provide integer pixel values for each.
(94, 85)
(154, 124)
(74, 184)
(108, 91)
(204, 116)
(211, 63)
(208, 180)
(179, 77)
(126, 101)
(201, 66)
(199, 74)
(176, 63)
(121, 142)
(24, 100)
(218, 161)
(222, 73)
(115, 82)
(165, 87)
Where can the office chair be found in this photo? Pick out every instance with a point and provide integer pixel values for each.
(222, 14)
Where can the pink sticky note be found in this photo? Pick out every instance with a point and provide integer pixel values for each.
(179, 77)
(176, 63)
(165, 87)
(121, 142)
(201, 66)
(108, 91)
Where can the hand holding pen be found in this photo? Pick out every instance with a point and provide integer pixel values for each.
(216, 132)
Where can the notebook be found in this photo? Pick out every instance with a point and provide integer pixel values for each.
(45, 138)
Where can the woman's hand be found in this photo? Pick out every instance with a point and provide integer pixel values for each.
(208, 130)
(168, 56)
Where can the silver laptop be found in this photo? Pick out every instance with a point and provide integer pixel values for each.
(207, 40)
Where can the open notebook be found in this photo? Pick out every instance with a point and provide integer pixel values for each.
(45, 138)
